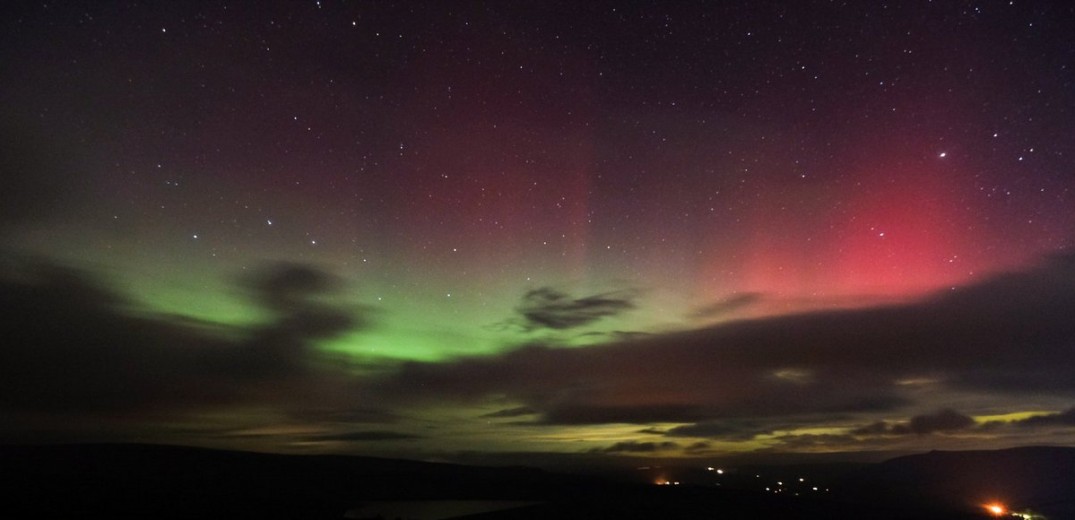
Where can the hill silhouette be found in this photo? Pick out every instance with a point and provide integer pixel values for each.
(153, 481)
(1036, 478)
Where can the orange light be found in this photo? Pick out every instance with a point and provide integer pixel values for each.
(996, 509)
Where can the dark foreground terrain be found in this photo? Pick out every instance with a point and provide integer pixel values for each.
(1037, 479)
(145, 481)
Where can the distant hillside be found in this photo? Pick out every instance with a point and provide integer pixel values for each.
(156, 482)
(171, 481)
(1037, 478)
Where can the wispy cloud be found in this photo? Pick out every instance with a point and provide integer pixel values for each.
(942, 421)
(637, 447)
(365, 436)
(549, 308)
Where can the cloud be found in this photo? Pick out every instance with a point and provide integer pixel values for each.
(548, 308)
(636, 447)
(942, 421)
(510, 412)
(72, 346)
(366, 436)
(725, 430)
(1065, 418)
(800, 442)
(948, 420)
(727, 306)
(350, 415)
(1008, 335)
(698, 448)
(874, 428)
(630, 414)
(287, 286)
(296, 293)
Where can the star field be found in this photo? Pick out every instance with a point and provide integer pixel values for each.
(314, 219)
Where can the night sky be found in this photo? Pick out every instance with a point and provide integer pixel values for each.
(488, 229)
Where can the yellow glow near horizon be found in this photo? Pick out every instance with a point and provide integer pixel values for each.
(1012, 416)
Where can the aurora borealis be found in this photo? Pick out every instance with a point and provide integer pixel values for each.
(429, 229)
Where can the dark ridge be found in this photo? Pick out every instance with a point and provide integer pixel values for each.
(1040, 479)
(165, 482)
(126, 479)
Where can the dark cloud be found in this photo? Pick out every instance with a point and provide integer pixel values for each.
(636, 447)
(626, 335)
(71, 346)
(946, 420)
(1008, 335)
(698, 448)
(366, 436)
(287, 286)
(950, 420)
(296, 293)
(726, 430)
(615, 335)
(812, 440)
(874, 428)
(350, 415)
(727, 306)
(548, 308)
(942, 421)
(68, 347)
(511, 412)
(631, 414)
(1065, 418)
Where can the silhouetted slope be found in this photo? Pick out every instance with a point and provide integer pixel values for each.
(176, 482)
(145, 481)
(1039, 478)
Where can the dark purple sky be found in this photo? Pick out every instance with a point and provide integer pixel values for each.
(427, 228)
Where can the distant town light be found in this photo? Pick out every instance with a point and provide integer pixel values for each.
(995, 508)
